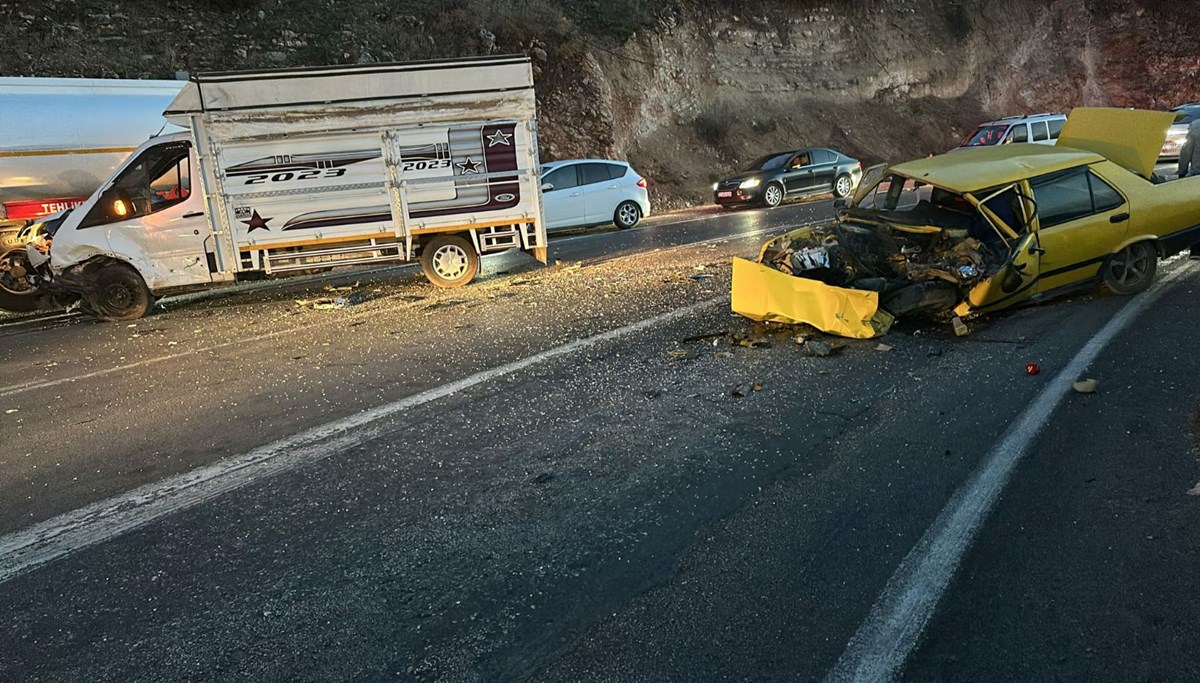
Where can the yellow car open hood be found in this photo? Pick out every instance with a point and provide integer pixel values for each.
(1128, 137)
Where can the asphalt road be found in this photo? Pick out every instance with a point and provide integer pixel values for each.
(566, 474)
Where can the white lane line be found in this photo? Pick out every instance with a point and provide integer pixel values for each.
(39, 319)
(880, 648)
(102, 521)
(749, 213)
(33, 385)
(650, 226)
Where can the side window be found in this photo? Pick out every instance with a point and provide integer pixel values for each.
(822, 156)
(1065, 197)
(563, 178)
(171, 186)
(158, 179)
(593, 173)
(1019, 133)
(1056, 127)
(1104, 197)
(1040, 132)
(616, 171)
(800, 160)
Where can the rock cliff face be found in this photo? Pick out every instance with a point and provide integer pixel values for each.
(685, 89)
(881, 80)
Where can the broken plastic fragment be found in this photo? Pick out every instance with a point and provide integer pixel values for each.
(960, 328)
(822, 349)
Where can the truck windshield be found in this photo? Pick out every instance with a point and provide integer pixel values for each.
(158, 179)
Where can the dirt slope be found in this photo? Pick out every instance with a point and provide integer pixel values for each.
(684, 89)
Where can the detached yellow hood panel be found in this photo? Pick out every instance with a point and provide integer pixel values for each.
(765, 294)
(1128, 137)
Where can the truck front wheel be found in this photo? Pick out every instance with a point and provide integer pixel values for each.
(449, 261)
(18, 294)
(119, 294)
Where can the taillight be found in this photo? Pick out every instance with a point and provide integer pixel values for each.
(642, 183)
(860, 165)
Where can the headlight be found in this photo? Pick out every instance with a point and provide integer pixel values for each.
(715, 186)
(750, 184)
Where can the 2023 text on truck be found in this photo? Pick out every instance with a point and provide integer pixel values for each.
(289, 170)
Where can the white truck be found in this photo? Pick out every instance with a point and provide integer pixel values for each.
(288, 170)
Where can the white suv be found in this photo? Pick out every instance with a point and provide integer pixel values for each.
(586, 192)
(1042, 129)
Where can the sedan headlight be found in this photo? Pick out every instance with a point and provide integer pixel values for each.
(750, 184)
(715, 186)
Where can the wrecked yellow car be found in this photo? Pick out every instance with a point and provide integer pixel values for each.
(981, 230)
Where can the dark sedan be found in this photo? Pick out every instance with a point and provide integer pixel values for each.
(786, 175)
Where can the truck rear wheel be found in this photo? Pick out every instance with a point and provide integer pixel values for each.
(119, 294)
(449, 261)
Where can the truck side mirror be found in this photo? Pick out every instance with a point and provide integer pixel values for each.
(840, 204)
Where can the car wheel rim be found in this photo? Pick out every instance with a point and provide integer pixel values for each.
(119, 297)
(11, 283)
(628, 215)
(450, 262)
(843, 187)
(1130, 266)
(773, 195)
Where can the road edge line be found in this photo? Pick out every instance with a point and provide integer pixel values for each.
(880, 648)
(42, 543)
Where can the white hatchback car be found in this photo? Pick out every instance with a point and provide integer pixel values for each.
(586, 192)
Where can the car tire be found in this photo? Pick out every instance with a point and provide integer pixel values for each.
(1130, 270)
(773, 195)
(843, 186)
(449, 261)
(16, 296)
(119, 294)
(627, 215)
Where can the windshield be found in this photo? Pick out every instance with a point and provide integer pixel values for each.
(770, 162)
(985, 136)
(895, 193)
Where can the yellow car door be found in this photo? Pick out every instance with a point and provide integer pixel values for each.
(1081, 219)
(1014, 283)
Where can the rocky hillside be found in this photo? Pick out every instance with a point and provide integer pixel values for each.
(684, 89)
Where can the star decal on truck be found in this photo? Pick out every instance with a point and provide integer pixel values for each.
(499, 138)
(256, 221)
(468, 166)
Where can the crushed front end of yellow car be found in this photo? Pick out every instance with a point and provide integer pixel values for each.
(853, 278)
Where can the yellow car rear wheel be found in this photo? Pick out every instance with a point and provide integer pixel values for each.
(1131, 270)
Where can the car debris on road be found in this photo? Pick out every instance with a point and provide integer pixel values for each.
(981, 230)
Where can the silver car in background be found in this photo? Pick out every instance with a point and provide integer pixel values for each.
(586, 192)
(1177, 134)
